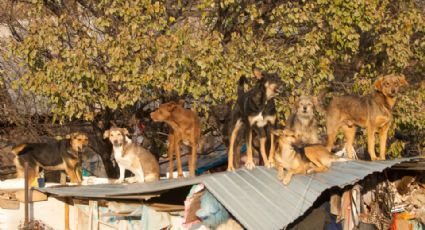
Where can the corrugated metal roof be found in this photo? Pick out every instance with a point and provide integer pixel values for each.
(255, 197)
(109, 190)
(259, 201)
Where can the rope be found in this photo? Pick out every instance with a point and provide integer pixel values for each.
(303, 196)
(298, 206)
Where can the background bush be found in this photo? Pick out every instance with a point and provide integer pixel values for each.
(87, 57)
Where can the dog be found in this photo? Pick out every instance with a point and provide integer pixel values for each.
(132, 156)
(255, 111)
(219, 119)
(302, 121)
(185, 129)
(311, 158)
(58, 155)
(373, 112)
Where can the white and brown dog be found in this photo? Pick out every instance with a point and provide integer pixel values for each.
(131, 156)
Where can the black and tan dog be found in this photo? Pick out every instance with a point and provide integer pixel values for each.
(373, 112)
(58, 155)
(255, 111)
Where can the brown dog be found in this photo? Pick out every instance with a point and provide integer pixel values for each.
(314, 158)
(186, 129)
(57, 155)
(373, 112)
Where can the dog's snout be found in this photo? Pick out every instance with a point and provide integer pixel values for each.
(305, 108)
(153, 116)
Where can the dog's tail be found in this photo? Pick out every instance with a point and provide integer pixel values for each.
(320, 100)
(18, 149)
(241, 84)
(339, 159)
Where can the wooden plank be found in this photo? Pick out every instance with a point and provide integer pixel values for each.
(160, 207)
(9, 204)
(409, 168)
(33, 196)
(66, 216)
(26, 198)
(134, 197)
(93, 215)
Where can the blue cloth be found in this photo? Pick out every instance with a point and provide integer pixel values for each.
(212, 213)
(243, 149)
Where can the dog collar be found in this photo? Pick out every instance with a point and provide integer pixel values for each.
(73, 154)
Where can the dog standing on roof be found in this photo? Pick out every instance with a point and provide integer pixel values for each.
(132, 156)
(372, 111)
(255, 110)
(57, 155)
(185, 129)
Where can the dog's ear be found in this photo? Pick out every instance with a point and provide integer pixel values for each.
(106, 134)
(277, 132)
(378, 83)
(257, 72)
(181, 102)
(402, 80)
(171, 106)
(296, 101)
(124, 131)
(72, 135)
(315, 101)
(289, 133)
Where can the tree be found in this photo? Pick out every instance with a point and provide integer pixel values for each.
(86, 56)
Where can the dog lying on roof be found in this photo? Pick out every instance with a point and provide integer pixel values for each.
(58, 155)
(309, 159)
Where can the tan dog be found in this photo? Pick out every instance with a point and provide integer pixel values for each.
(186, 129)
(315, 158)
(132, 156)
(373, 112)
(57, 155)
(302, 121)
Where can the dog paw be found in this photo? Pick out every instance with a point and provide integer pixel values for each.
(280, 176)
(250, 165)
(286, 180)
(270, 164)
(119, 181)
(231, 169)
(135, 180)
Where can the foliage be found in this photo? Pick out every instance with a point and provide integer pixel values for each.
(84, 56)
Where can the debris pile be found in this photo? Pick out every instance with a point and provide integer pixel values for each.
(400, 203)
(409, 197)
